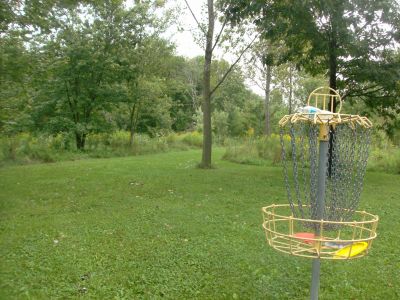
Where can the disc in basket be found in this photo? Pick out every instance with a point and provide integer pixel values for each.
(336, 245)
(305, 237)
(351, 250)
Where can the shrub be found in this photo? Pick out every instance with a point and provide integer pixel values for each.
(193, 138)
(28, 148)
(24, 147)
(246, 153)
(256, 150)
(385, 161)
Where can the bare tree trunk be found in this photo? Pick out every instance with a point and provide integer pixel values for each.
(267, 128)
(207, 134)
(332, 71)
(131, 125)
(290, 89)
(80, 139)
(332, 85)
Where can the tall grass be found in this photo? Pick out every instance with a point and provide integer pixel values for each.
(255, 150)
(27, 148)
(384, 156)
(385, 160)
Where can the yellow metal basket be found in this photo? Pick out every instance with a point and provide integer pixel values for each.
(292, 235)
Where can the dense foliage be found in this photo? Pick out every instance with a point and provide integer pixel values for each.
(355, 43)
(78, 69)
(104, 67)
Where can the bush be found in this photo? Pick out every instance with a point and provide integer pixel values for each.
(256, 150)
(385, 161)
(28, 148)
(194, 139)
(269, 148)
(244, 153)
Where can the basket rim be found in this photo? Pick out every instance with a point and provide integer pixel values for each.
(374, 218)
(321, 238)
(286, 239)
(326, 118)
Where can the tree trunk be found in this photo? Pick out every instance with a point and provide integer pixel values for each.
(290, 89)
(267, 128)
(131, 136)
(206, 105)
(332, 85)
(131, 125)
(80, 140)
(332, 71)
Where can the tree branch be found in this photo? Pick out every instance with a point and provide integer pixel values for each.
(72, 105)
(262, 71)
(194, 16)
(261, 86)
(219, 34)
(69, 101)
(232, 66)
(363, 91)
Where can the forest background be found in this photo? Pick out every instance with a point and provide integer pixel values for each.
(101, 78)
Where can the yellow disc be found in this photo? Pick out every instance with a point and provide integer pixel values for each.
(355, 249)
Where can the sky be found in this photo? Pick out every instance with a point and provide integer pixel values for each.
(185, 43)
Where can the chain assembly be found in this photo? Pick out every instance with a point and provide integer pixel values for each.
(347, 155)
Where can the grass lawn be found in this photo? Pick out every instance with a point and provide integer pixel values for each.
(155, 226)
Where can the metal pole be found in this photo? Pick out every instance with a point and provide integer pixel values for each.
(322, 168)
(316, 263)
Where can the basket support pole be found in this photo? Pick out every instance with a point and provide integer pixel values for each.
(316, 263)
(322, 168)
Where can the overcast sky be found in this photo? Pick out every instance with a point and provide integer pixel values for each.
(183, 38)
(185, 44)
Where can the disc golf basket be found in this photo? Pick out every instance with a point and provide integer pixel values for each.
(324, 156)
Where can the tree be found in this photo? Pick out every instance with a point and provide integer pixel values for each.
(85, 63)
(208, 90)
(286, 79)
(343, 38)
(143, 84)
(232, 93)
(259, 71)
(16, 68)
(30, 17)
(380, 91)
(193, 74)
(184, 88)
(230, 97)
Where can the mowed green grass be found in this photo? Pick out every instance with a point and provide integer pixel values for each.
(155, 226)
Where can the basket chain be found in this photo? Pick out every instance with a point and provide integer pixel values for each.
(285, 171)
(313, 141)
(348, 152)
